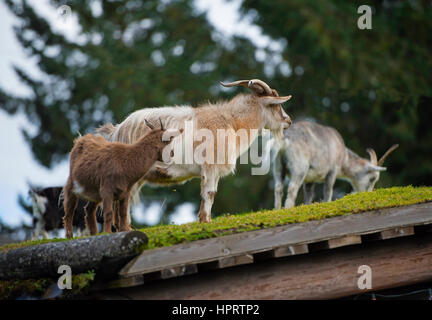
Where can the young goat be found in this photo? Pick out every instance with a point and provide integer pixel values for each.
(315, 153)
(103, 172)
(259, 110)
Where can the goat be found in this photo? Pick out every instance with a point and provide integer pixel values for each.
(315, 153)
(259, 110)
(48, 212)
(104, 172)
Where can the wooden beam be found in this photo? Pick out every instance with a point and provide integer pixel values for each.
(320, 275)
(335, 243)
(290, 250)
(208, 250)
(179, 271)
(235, 261)
(390, 234)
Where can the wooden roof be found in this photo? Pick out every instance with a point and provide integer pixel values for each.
(249, 248)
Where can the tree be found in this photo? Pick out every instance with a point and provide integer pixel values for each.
(374, 86)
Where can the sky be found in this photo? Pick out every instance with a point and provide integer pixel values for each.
(18, 167)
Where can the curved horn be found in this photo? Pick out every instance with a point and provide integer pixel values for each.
(149, 124)
(160, 121)
(242, 83)
(372, 155)
(392, 148)
(262, 84)
(255, 85)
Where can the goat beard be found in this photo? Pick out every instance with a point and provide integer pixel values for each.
(278, 134)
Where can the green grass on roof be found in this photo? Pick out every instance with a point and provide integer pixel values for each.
(166, 235)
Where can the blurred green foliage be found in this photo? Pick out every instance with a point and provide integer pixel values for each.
(374, 86)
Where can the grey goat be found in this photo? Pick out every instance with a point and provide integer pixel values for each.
(313, 153)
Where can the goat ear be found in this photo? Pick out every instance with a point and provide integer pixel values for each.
(373, 167)
(267, 100)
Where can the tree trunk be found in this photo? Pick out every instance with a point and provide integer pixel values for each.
(81, 255)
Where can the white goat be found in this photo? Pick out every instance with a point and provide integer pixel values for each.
(260, 110)
(313, 153)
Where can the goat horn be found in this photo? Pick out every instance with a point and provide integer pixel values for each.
(160, 121)
(255, 85)
(392, 148)
(149, 124)
(262, 84)
(372, 155)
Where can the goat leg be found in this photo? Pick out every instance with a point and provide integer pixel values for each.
(122, 212)
(328, 185)
(308, 192)
(209, 183)
(90, 217)
(70, 204)
(293, 187)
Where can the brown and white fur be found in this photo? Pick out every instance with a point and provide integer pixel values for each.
(258, 110)
(313, 153)
(104, 172)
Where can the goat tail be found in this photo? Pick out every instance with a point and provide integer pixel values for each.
(106, 131)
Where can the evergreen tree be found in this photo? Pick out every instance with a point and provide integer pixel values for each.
(374, 86)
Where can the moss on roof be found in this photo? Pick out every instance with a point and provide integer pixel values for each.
(166, 235)
(39, 288)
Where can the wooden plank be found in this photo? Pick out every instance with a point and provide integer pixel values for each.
(335, 243)
(290, 250)
(202, 251)
(343, 241)
(235, 261)
(389, 234)
(397, 232)
(179, 271)
(323, 275)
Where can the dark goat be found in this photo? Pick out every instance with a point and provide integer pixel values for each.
(48, 211)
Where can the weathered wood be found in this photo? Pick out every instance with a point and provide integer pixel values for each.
(179, 271)
(202, 251)
(81, 255)
(390, 234)
(321, 275)
(235, 261)
(335, 243)
(290, 250)
(397, 232)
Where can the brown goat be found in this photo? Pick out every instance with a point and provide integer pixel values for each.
(104, 172)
